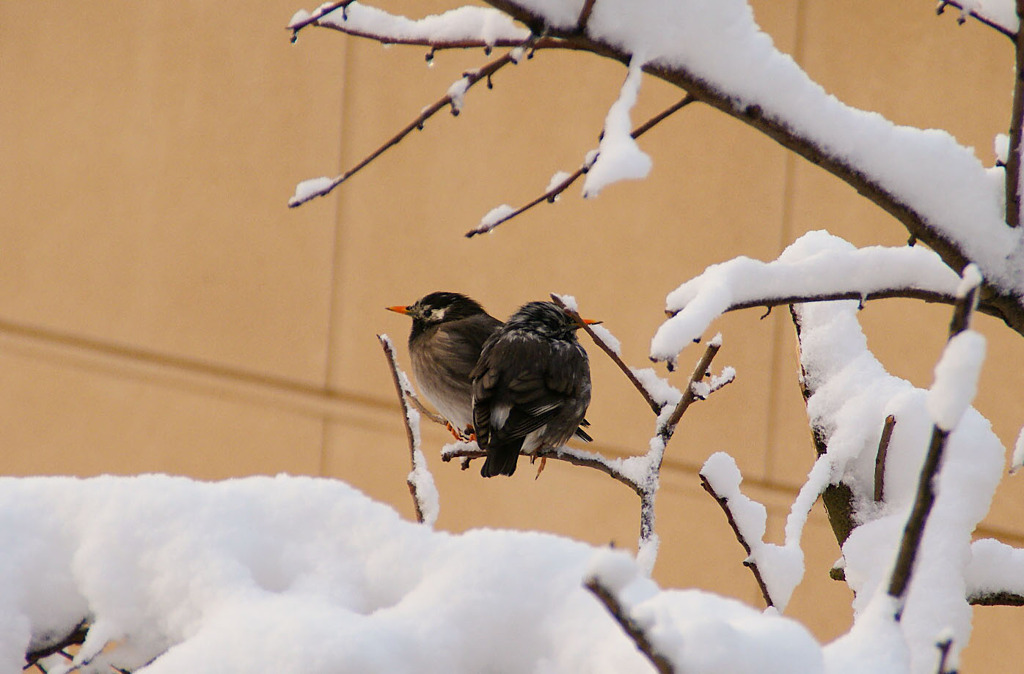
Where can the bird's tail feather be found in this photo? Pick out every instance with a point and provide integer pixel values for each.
(500, 462)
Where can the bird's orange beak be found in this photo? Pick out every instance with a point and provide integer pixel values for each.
(398, 309)
(590, 322)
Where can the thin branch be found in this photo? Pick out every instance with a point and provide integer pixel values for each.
(422, 409)
(944, 647)
(315, 17)
(631, 627)
(581, 22)
(471, 77)
(577, 457)
(749, 563)
(941, 8)
(996, 599)
(929, 296)
(1013, 157)
(883, 449)
(554, 191)
(612, 353)
(411, 435)
(925, 497)
(699, 372)
(74, 638)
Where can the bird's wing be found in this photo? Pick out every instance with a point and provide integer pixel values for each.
(519, 385)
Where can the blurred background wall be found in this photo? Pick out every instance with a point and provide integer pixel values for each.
(162, 310)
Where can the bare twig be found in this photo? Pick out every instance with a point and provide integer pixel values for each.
(577, 457)
(883, 449)
(941, 8)
(749, 563)
(410, 433)
(607, 348)
(699, 372)
(944, 647)
(581, 22)
(631, 627)
(471, 77)
(925, 497)
(433, 416)
(1013, 156)
(554, 191)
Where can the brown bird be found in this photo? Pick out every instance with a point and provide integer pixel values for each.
(531, 387)
(448, 332)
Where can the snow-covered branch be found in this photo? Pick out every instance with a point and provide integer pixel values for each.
(708, 478)
(420, 481)
(560, 182)
(818, 267)
(310, 189)
(1014, 168)
(935, 187)
(990, 13)
(631, 627)
(956, 383)
(849, 395)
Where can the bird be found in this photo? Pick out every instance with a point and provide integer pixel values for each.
(448, 331)
(531, 387)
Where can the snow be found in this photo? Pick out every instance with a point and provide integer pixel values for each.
(610, 340)
(995, 567)
(1018, 453)
(493, 217)
(457, 93)
(851, 397)
(464, 23)
(310, 188)
(781, 567)
(816, 264)
(296, 574)
(956, 379)
(1001, 147)
(619, 157)
(556, 180)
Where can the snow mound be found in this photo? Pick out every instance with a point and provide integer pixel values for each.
(296, 574)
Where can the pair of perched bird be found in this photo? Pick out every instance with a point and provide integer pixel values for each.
(519, 386)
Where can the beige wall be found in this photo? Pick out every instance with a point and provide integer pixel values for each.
(162, 310)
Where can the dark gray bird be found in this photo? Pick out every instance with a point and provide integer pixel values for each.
(531, 387)
(448, 332)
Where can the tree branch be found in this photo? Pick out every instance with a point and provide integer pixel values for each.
(699, 372)
(1005, 303)
(74, 638)
(996, 599)
(925, 497)
(411, 434)
(553, 192)
(632, 628)
(749, 563)
(929, 296)
(883, 449)
(962, 19)
(612, 353)
(314, 18)
(1013, 156)
(577, 457)
(469, 78)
